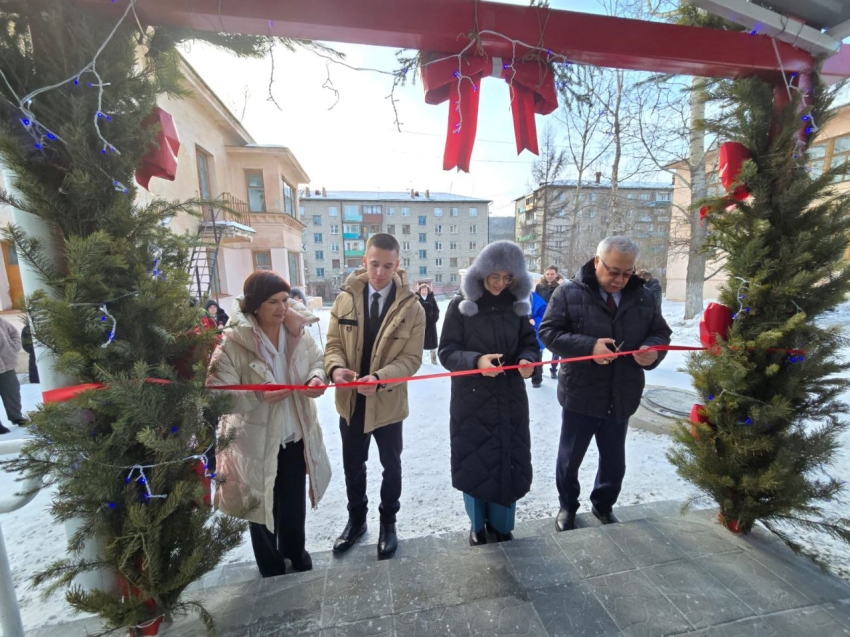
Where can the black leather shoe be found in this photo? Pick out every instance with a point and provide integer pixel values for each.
(565, 520)
(536, 385)
(477, 539)
(387, 541)
(605, 518)
(499, 537)
(4, 430)
(350, 534)
(554, 374)
(303, 563)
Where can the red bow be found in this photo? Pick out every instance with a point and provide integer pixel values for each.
(532, 91)
(161, 158)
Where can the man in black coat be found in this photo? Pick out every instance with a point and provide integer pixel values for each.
(604, 308)
(653, 285)
(547, 285)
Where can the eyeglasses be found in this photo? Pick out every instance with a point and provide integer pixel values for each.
(498, 278)
(617, 273)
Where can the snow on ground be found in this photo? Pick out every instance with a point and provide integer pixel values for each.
(429, 504)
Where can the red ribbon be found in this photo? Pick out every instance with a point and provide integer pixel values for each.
(67, 393)
(532, 87)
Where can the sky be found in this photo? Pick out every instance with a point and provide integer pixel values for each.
(351, 142)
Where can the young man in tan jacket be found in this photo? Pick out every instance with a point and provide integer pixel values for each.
(376, 331)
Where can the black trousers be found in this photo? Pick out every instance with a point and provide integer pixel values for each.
(576, 432)
(10, 392)
(537, 372)
(289, 511)
(355, 453)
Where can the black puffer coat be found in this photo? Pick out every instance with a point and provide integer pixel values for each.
(575, 318)
(432, 315)
(490, 439)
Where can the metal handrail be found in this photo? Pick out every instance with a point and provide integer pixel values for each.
(10, 612)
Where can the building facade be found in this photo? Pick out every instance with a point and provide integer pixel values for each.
(218, 159)
(439, 233)
(562, 223)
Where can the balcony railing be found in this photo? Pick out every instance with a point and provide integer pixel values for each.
(240, 208)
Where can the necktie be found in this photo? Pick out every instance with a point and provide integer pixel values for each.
(612, 304)
(374, 313)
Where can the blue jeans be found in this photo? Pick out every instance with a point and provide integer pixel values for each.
(500, 517)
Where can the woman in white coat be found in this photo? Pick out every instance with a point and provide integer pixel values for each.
(277, 437)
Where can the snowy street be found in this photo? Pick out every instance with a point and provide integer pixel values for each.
(429, 504)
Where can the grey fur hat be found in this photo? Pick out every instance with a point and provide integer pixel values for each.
(499, 255)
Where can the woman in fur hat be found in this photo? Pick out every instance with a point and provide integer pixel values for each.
(485, 328)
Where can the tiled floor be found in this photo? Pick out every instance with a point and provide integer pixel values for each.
(656, 573)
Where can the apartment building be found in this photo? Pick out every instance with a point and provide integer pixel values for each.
(561, 223)
(439, 234)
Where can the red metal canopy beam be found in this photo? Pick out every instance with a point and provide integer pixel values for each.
(445, 25)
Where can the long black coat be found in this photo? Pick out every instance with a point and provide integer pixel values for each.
(432, 315)
(575, 318)
(490, 439)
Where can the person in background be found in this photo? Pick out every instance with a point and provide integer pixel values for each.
(10, 388)
(217, 313)
(653, 285)
(298, 295)
(376, 331)
(547, 285)
(602, 310)
(432, 315)
(487, 327)
(538, 308)
(277, 437)
(29, 348)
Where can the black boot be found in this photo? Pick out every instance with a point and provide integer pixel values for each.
(565, 520)
(500, 537)
(4, 430)
(477, 538)
(606, 518)
(350, 534)
(387, 541)
(302, 563)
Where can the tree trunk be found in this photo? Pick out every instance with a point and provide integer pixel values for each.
(696, 257)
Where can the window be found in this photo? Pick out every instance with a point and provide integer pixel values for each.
(405, 245)
(213, 260)
(317, 237)
(453, 278)
(334, 247)
(390, 211)
(371, 210)
(294, 268)
(438, 229)
(256, 191)
(320, 272)
(473, 229)
(405, 263)
(662, 196)
(438, 212)
(453, 212)
(423, 237)
(391, 228)
(817, 153)
(423, 269)
(593, 196)
(840, 155)
(320, 255)
(333, 211)
(335, 264)
(453, 262)
(317, 220)
(423, 254)
(438, 278)
(438, 263)
(473, 212)
(204, 186)
(350, 228)
(334, 228)
(473, 245)
(262, 260)
(438, 245)
(405, 212)
(423, 220)
(453, 246)
(405, 229)
(288, 201)
(301, 212)
(644, 196)
(452, 229)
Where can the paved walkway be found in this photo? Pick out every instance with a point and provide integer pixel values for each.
(656, 573)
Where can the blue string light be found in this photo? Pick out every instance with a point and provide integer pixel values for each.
(111, 505)
(711, 396)
(174, 430)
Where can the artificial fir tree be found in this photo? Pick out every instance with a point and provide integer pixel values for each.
(114, 307)
(770, 387)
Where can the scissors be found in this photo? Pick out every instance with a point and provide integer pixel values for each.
(614, 348)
